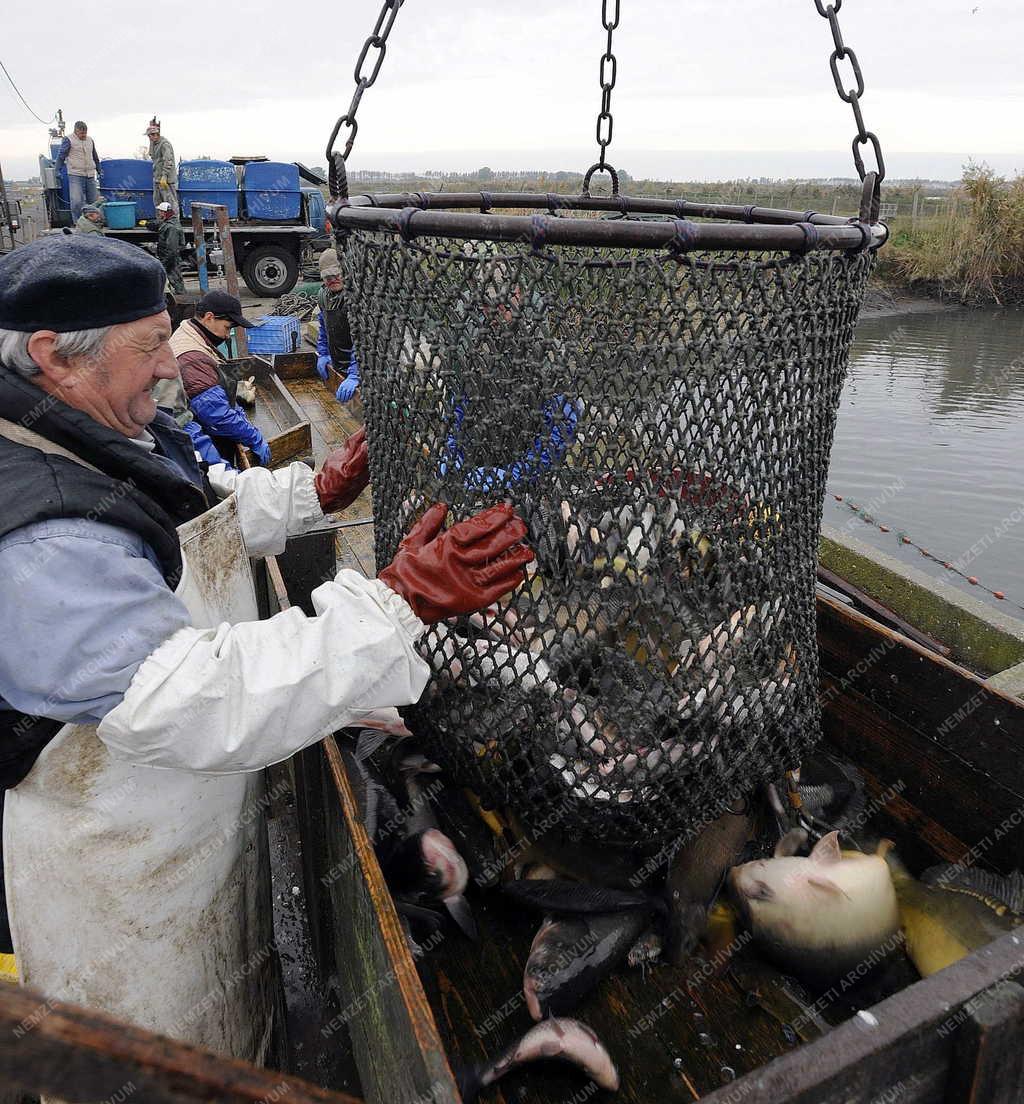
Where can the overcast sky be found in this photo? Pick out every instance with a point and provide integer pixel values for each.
(706, 88)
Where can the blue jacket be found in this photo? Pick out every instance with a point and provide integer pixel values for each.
(214, 412)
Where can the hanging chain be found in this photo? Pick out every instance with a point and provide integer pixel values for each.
(853, 97)
(605, 123)
(377, 40)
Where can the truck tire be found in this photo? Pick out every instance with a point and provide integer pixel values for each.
(270, 271)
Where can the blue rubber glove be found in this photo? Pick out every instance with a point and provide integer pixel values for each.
(347, 387)
(262, 450)
(322, 364)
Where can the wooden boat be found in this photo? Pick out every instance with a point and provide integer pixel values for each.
(941, 751)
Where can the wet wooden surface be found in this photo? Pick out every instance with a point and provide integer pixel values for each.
(331, 424)
(674, 1034)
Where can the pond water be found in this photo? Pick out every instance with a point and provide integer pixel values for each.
(930, 443)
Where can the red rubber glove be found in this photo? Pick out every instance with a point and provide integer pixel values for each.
(463, 569)
(345, 474)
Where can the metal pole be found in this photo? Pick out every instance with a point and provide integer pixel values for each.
(5, 211)
(199, 240)
(231, 272)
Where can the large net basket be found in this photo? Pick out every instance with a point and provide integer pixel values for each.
(660, 413)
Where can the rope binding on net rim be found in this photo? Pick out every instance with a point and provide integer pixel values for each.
(481, 216)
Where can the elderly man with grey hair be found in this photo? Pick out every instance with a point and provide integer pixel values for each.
(140, 695)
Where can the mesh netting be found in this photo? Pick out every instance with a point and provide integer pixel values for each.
(663, 426)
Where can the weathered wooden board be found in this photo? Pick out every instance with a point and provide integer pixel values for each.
(880, 612)
(906, 1045)
(80, 1054)
(392, 1029)
(988, 1059)
(290, 366)
(954, 708)
(955, 746)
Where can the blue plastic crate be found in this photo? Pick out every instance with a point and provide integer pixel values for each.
(274, 334)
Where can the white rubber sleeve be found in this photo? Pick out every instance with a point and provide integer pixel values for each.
(272, 505)
(241, 697)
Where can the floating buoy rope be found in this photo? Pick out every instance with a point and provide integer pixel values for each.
(946, 564)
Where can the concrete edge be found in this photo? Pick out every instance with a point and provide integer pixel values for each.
(982, 638)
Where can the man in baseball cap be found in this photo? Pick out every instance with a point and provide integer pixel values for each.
(169, 240)
(209, 388)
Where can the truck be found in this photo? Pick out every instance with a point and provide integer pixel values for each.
(275, 233)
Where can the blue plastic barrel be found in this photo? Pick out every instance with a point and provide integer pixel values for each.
(272, 191)
(129, 178)
(120, 215)
(127, 174)
(207, 182)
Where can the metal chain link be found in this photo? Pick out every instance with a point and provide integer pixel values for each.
(851, 96)
(605, 122)
(377, 40)
(608, 72)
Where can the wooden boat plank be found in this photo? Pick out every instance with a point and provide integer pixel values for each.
(906, 1041)
(81, 1054)
(942, 787)
(393, 1033)
(952, 707)
(881, 612)
(922, 840)
(988, 1062)
(346, 557)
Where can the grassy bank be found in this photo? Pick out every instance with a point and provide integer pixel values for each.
(975, 253)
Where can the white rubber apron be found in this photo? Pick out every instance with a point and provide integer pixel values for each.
(141, 891)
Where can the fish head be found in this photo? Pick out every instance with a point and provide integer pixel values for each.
(828, 903)
(445, 866)
(559, 942)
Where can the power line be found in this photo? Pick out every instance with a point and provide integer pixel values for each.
(45, 122)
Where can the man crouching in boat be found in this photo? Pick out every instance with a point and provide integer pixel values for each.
(140, 697)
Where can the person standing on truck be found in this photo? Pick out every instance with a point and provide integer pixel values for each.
(141, 697)
(78, 151)
(165, 168)
(208, 388)
(168, 244)
(91, 220)
(334, 345)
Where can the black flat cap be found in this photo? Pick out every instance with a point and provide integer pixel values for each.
(78, 282)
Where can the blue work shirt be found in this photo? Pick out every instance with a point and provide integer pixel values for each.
(84, 604)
